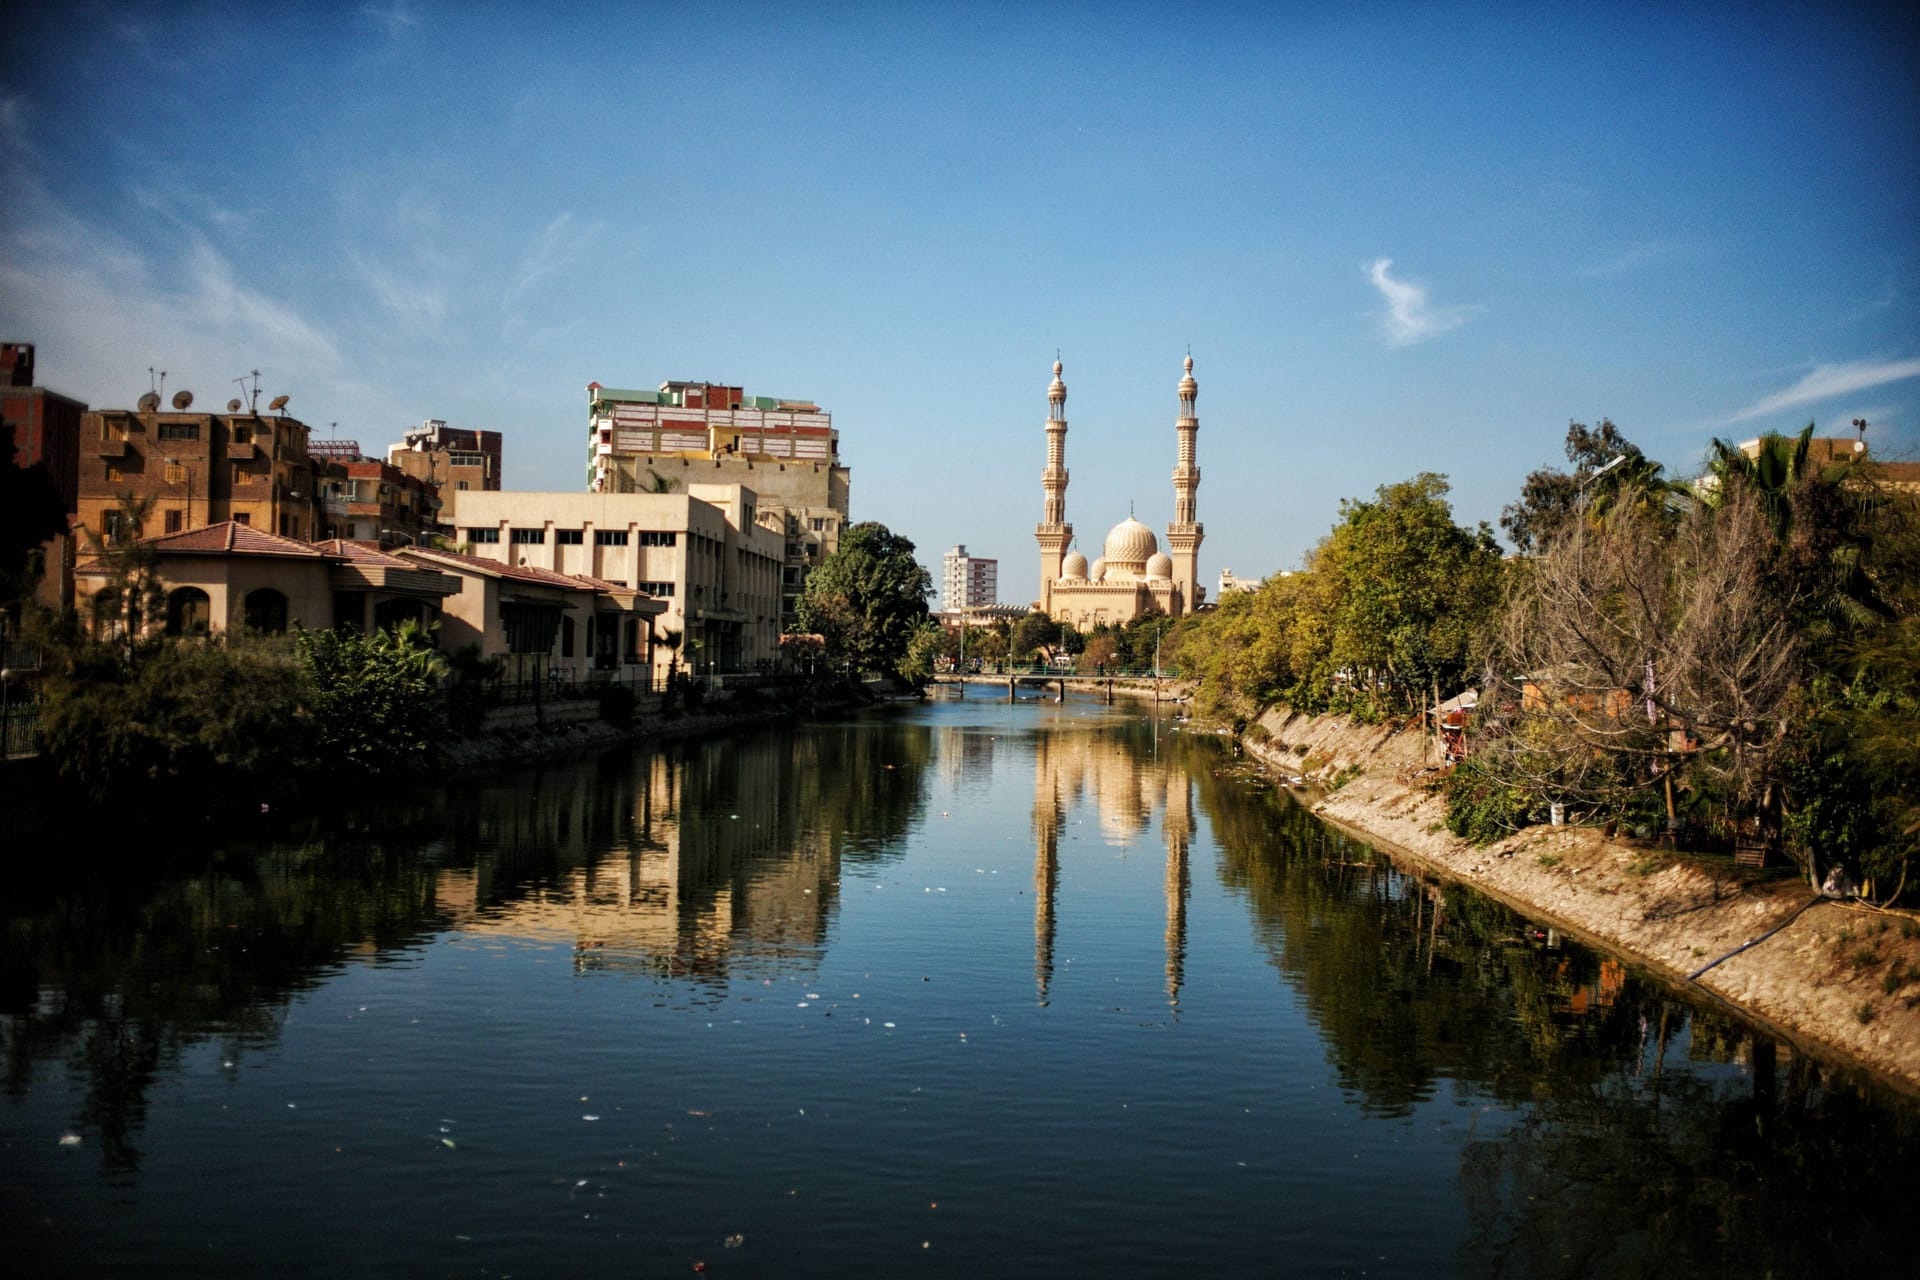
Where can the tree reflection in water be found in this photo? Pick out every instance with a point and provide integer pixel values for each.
(1601, 1160)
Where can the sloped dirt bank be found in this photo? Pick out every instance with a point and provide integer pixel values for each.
(1840, 976)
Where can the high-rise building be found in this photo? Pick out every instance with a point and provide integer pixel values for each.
(968, 582)
(1133, 576)
(786, 451)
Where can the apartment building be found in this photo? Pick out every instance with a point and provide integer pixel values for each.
(707, 552)
(686, 433)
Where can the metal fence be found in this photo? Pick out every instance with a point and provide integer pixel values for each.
(19, 723)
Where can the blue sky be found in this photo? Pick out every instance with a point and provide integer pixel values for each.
(1397, 238)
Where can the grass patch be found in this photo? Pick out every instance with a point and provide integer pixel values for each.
(1865, 1012)
(1549, 859)
(1647, 864)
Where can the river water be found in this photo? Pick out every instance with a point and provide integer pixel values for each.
(1035, 989)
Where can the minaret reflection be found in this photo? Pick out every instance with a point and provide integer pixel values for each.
(1178, 822)
(1048, 812)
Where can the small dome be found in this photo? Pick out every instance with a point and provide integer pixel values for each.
(1057, 391)
(1073, 568)
(1130, 543)
(1159, 565)
(1098, 572)
(1188, 387)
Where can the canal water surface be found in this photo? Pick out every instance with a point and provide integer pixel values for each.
(1024, 990)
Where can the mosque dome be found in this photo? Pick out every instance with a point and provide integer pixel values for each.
(1129, 544)
(1188, 387)
(1159, 565)
(1074, 567)
(1098, 572)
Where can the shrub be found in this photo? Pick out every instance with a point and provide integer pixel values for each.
(1480, 809)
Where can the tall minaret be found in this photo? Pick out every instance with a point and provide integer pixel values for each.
(1185, 532)
(1053, 532)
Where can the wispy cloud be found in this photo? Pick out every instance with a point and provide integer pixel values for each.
(395, 19)
(559, 245)
(1828, 380)
(1410, 316)
(1639, 254)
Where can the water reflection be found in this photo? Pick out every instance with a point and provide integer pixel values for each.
(1592, 1122)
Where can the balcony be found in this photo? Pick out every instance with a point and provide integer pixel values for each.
(238, 452)
(110, 449)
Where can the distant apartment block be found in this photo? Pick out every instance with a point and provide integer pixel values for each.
(967, 582)
(453, 458)
(686, 433)
(364, 499)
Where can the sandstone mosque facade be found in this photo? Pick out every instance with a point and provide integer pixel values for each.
(1133, 577)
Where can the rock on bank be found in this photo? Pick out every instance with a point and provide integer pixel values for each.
(1824, 979)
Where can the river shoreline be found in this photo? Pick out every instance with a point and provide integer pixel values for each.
(1842, 977)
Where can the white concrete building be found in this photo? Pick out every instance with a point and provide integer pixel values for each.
(968, 581)
(707, 552)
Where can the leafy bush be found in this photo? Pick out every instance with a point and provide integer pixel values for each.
(1481, 809)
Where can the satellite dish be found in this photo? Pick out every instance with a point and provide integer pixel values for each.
(181, 399)
(234, 406)
(278, 403)
(149, 402)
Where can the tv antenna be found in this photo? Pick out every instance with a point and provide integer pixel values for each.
(150, 402)
(156, 389)
(278, 404)
(251, 393)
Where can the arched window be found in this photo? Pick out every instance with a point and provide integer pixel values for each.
(189, 612)
(266, 610)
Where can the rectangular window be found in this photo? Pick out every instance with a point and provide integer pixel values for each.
(242, 435)
(114, 474)
(478, 536)
(175, 519)
(243, 517)
(658, 590)
(463, 484)
(609, 537)
(658, 538)
(240, 475)
(179, 431)
(111, 525)
(176, 474)
(818, 524)
(529, 537)
(567, 537)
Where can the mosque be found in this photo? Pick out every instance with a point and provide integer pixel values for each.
(1133, 576)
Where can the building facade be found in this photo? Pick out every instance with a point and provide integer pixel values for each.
(709, 553)
(968, 582)
(196, 469)
(449, 458)
(1133, 577)
(364, 499)
(46, 432)
(786, 451)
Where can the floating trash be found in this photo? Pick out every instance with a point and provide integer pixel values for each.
(447, 1143)
(589, 1117)
(69, 1139)
(735, 1240)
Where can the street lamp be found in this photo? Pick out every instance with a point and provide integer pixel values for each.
(400, 533)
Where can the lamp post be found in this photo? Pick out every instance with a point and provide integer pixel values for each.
(400, 533)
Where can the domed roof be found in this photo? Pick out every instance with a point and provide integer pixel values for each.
(1159, 565)
(1074, 567)
(1098, 571)
(1130, 543)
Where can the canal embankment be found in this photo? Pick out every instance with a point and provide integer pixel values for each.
(1840, 976)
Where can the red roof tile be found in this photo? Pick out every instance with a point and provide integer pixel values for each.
(232, 538)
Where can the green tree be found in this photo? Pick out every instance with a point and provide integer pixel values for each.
(868, 600)
(1605, 464)
(376, 700)
(1408, 593)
